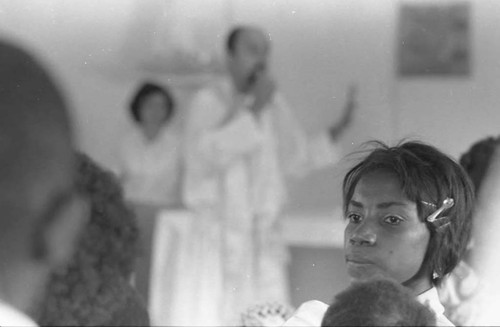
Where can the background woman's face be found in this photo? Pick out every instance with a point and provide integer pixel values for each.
(384, 235)
(153, 110)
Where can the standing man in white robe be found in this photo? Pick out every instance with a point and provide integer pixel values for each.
(242, 140)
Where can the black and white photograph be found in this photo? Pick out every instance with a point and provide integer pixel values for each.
(249, 163)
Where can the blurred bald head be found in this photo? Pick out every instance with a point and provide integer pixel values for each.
(247, 34)
(36, 172)
(34, 122)
(35, 139)
(247, 49)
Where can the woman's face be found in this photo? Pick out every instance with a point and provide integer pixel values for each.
(384, 235)
(153, 110)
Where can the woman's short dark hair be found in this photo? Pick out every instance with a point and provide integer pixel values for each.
(427, 176)
(146, 90)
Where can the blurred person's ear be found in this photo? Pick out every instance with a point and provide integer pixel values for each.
(61, 234)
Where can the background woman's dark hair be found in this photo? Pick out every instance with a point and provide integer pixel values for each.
(477, 159)
(94, 287)
(476, 162)
(146, 90)
(426, 175)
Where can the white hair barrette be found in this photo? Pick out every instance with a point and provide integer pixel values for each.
(447, 204)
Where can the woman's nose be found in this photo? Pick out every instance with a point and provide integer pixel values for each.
(363, 235)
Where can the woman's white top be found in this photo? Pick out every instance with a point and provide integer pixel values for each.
(10, 316)
(150, 169)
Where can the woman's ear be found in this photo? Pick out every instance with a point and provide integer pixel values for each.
(59, 235)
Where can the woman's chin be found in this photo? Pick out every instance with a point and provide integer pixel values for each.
(363, 272)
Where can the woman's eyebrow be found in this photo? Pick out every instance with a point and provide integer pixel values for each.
(382, 205)
(356, 204)
(385, 205)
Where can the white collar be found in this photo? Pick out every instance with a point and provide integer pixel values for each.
(430, 298)
(10, 316)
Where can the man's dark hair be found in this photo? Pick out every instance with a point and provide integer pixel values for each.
(232, 38)
(377, 302)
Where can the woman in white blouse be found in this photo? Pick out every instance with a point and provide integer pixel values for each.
(150, 168)
(408, 210)
(150, 154)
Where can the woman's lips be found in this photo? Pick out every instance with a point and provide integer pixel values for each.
(358, 260)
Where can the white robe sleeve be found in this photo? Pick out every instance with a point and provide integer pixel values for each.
(220, 144)
(238, 137)
(212, 145)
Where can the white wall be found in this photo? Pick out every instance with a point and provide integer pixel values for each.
(453, 113)
(319, 48)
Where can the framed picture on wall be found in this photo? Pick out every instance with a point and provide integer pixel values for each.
(434, 39)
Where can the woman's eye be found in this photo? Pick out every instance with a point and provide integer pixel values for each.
(393, 220)
(354, 218)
